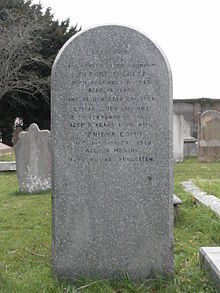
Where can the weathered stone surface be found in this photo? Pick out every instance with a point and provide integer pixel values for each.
(178, 138)
(112, 199)
(33, 160)
(210, 261)
(209, 136)
(7, 166)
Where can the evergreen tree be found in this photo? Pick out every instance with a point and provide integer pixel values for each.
(29, 42)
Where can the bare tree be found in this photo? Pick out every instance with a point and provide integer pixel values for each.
(21, 63)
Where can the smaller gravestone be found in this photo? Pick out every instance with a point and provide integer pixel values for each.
(209, 136)
(178, 138)
(33, 160)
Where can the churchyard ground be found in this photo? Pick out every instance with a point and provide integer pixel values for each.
(10, 157)
(25, 239)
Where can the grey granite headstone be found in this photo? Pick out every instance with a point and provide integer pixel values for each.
(209, 136)
(33, 160)
(112, 198)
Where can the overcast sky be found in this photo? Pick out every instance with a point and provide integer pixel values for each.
(188, 31)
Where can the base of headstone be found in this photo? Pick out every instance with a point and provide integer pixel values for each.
(209, 154)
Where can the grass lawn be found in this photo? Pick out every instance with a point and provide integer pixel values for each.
(25, 236)
(208, 177)
(210, 186)
(7, 157)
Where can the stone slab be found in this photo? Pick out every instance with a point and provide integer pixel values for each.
(7, 166)
(5, 149)
(207, 200)
(176, 200)
(176, 203)
(112, 198)
(33, 160)
(210, 261)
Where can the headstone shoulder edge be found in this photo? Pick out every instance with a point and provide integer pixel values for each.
(32, 127)
(210, 112)
(77, 35)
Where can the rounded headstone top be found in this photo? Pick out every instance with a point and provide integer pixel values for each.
(32, 129)
(210, 113)
(105, 39)
(34, 126)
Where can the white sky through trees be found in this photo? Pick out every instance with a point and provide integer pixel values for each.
(188, 31)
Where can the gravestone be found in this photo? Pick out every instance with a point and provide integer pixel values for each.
(209, 136)
(112, 198)
(33, 160)
(178, 138)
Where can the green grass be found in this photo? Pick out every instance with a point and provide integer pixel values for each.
(210, 186)
(10, 157)
(25, 242)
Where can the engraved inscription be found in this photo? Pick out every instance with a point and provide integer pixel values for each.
(110, 119)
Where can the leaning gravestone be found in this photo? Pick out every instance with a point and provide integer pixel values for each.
(112, 199)
(209, 136)
(33, 160)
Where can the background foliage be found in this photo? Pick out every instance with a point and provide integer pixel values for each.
(29, 42)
